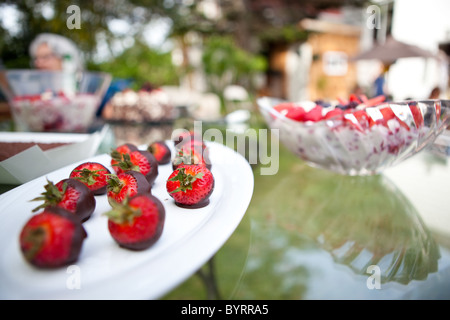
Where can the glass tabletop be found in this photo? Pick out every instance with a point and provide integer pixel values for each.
(313, 234)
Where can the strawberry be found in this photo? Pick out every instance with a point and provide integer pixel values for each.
(416, 114)
(127, 148)
(160, 151)
(192, 155)
(335, 113)
(291, 110)
(190, 186)
(126, 184)
(124, 148)
(140, 161)
(52, 238)
(190, 141)
(315, 114)
(93, 175)
(388, 114)
(283, 107)
(136, 223)
(354, 98)
(437, 106)
(359, 119)
(69, 194)
(374, 101)
(188, 138)
(296, 113)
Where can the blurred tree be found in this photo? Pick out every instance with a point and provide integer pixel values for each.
(142, 65)
(37, 16)
(225, 63)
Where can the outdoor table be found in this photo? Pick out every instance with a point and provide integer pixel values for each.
(312, 234)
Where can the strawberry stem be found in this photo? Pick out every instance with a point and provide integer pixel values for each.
(124, 161)
(122, 213)
(186, 180)
(50, 196)
(87, 176)
(114, 183)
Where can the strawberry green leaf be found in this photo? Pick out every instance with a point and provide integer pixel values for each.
(51, 195)
(185, 179)
(122, 213)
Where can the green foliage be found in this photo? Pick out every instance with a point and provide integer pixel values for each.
(143, 65)
(287, 34)
(225, 63)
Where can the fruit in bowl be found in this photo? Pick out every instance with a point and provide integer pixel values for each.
(53, 101)
(358, 136)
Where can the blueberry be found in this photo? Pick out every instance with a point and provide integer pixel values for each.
(352, 105)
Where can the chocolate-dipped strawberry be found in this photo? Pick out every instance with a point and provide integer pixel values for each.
(93, 175)
(190, 186)
(126, 184)
(52, 238)
(69, 194)
(161, 151)
(140, 161)
(122, 149)
(188, 155)
(138, 222)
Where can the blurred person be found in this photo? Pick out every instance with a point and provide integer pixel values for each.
(380, 81)
(49, 50)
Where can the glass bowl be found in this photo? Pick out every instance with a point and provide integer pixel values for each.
(53, 101)
(363, 141)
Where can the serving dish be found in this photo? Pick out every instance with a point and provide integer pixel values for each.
(189, 239)
(35, 161)
(362, 140)
(53, 101)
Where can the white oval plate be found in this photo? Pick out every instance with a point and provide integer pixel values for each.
(106, 271)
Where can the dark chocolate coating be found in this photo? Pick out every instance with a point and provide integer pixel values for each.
(143, 185)
(131, 147)
(153, 173)
(86, 202)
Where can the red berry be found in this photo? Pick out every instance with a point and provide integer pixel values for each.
(138, 222)
(291, 110)
(388, 114)
(315, 114)
(124, 148)
(192, 155)
(93, 175)
(374, 101)
(69, 194)
(188, 138)
(417, 115)
(127, 148)
(335, 113)
(126, 184)
(52, 238)
(160, 151)
(296, 113)
(140, 161)
(190, 186)
(359, 119)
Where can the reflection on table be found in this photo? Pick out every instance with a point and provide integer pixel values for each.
(312, 234)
